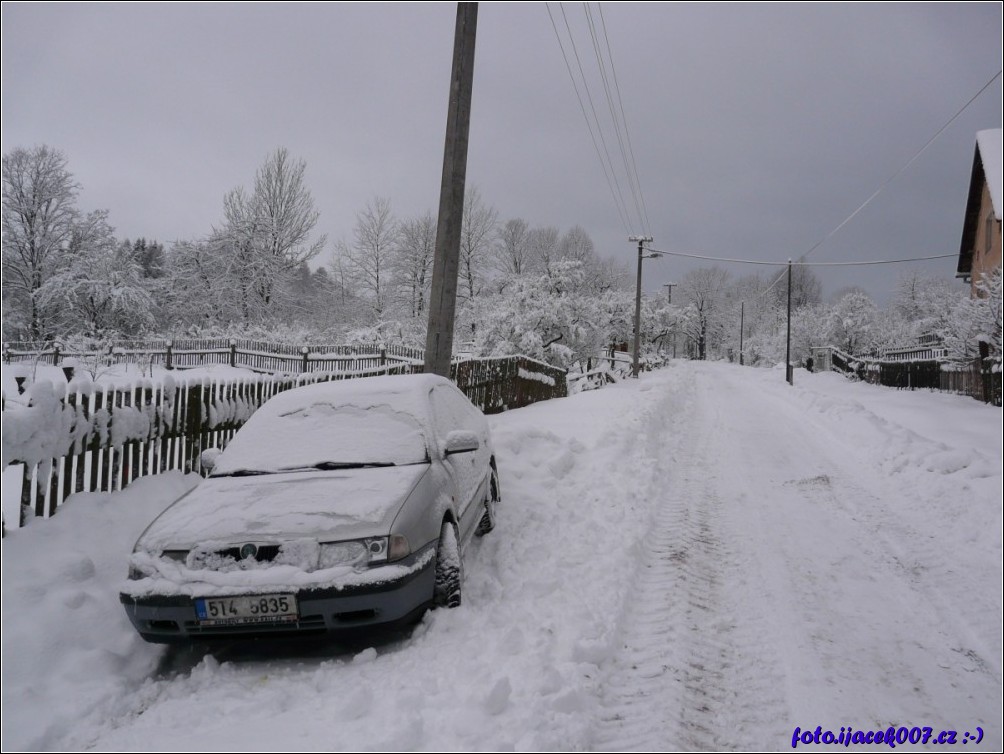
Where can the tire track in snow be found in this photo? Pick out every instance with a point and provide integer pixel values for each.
(689, 672)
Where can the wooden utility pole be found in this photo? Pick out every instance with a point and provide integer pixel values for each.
(742, 317)
(788, 371)
(443, 299)
(637, 302)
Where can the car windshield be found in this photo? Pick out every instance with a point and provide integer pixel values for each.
(326, 437)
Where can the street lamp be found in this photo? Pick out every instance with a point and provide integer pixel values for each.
(642, 240)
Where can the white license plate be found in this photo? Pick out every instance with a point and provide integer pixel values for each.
(252, 608)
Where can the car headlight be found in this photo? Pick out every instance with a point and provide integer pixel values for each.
(341, 553)
(371, 551)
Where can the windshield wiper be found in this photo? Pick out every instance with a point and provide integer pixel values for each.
(322, 466)
(338, 465)
(244, 472)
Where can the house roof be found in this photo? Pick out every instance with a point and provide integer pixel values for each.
(990, 147)
(987, 167)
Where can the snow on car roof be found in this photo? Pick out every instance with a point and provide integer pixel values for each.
(372, 420)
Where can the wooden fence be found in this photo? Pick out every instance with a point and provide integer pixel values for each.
(980, 379)
(186, 353)
(106, 438)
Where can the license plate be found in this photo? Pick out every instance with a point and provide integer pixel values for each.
(252, 608)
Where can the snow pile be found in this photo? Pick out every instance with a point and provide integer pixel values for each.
(66, 653)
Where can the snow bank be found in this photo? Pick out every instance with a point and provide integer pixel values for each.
(67, 654)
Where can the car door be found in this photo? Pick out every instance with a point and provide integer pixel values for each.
(468, 471)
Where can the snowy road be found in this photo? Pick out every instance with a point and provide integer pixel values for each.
(791, 578)
(702, 560)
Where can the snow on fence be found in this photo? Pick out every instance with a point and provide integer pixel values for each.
(980, 379)
(84, 438)
(185, 353)
(611, 367)
(499, 384)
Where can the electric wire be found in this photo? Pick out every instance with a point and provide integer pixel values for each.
(618, 204)
(800, 263)
(592, 108)
(619, 127)
(627, 132)
(893, 177)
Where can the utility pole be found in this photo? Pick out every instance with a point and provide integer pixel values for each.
(788, 371)
(742, 316)
(637, 301)
(669, 292)
(443, 298)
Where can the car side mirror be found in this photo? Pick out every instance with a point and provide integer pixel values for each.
(461, 441)
(208, 458)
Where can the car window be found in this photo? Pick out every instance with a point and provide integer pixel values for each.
(325, 435)
(452, 410)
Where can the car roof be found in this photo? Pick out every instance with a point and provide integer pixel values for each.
(403, 391)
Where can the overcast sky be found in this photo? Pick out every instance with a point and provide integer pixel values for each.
(757, 129)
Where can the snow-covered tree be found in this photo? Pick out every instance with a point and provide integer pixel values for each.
(39, 217)
(369, 258)
(266, 233)
(512, 248)
(543, 244)
(974, 320)
(705, 292)
(854, 322)
(477, 233)
(100, 290)
(412, 262)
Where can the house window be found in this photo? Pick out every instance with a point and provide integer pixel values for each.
(988, 229)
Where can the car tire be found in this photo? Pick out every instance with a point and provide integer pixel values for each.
(449, 568)
(487, 522)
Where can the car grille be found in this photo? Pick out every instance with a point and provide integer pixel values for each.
(265, 553)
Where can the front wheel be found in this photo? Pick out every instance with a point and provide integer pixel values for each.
(449, 568)
(487, 522)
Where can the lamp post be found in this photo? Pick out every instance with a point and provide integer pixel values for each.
(642, 240)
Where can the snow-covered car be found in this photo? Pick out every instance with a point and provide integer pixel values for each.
(337, 505)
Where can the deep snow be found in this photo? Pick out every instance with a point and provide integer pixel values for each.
(705, 558)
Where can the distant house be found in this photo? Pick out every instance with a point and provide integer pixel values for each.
(980, 251)
(929, 347)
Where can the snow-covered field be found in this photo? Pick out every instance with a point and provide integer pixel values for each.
(702, 559)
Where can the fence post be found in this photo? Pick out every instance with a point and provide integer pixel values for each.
(169, 356)
(233, 353)
(55, 354)
(383, 356)
(303, 364)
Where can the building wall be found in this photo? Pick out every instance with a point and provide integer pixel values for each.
(987, 246)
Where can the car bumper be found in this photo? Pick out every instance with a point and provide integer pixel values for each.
(172, 618)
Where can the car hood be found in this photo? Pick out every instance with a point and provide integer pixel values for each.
(321, 505)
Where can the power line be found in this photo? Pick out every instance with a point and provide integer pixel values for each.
(589, 125)
(620, 128)
(893, 177)
(799, 263)
(627, 133)
(619, 196)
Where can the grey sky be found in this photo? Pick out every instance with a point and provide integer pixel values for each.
(757, 128)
